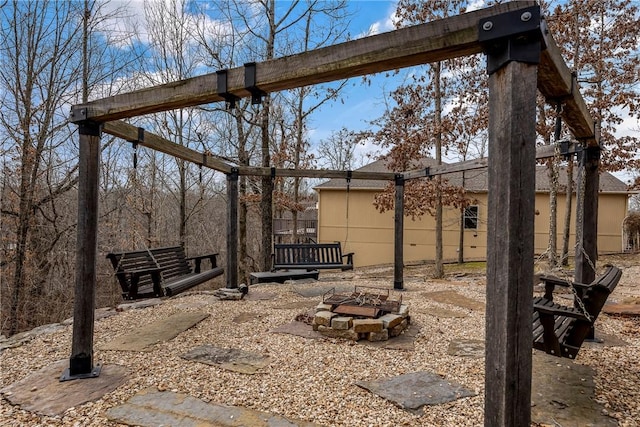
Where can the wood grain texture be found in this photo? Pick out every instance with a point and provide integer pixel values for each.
(511, 208)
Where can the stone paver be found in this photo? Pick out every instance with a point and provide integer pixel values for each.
(454, 298)
(153, 408)
(232, 359)
(43, 393)
(466, 348)
(414, 390)
(143, 338)
(563, 394)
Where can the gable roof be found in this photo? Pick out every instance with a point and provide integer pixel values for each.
(476, 180)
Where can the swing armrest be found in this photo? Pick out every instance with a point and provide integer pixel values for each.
(547, 307)
(198, 260)
(550, 282)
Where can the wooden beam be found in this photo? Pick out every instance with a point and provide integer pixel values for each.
(315, 173)
(587, 216)
(557, 83)
(447, 168)
(420, 44)
(130, 133)
(232, 229)
(81, 360)
(542, 152)
(510, 216)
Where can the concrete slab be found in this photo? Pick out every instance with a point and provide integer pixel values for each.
(414, 390)
(454, 298)
(231, 359)
(43, 393)
(563, 394)
(152, 408)
(143, 338)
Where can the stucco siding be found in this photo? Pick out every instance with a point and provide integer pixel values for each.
(370, 234)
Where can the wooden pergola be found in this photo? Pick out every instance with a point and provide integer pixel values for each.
(522, 58)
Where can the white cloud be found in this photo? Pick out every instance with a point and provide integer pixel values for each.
(384, 25)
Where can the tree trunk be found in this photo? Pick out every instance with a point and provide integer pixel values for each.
(461, 237)
(439, 270)
(266, 201)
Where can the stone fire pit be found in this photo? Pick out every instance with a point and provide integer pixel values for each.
(366, 313)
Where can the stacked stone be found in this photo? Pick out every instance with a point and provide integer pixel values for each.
(335, 325)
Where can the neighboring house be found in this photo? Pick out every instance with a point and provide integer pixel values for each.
(349, 217)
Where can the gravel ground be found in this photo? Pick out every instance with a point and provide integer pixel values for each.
(312, 379)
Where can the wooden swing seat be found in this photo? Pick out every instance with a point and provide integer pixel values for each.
(160, 272)
(560, 330)
(310, 256)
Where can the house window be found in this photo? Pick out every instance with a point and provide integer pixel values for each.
(471, 218)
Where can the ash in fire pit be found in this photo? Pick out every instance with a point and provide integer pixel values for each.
(367, 313)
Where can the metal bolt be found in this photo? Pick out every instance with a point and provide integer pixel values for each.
(487, 26)
(525, 16)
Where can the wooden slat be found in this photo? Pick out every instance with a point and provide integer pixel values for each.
(434, 41)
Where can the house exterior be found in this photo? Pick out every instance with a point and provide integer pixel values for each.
(349, 217)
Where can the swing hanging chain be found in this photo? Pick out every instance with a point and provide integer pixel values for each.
(346, 237)
(579, 239)
(579, 247)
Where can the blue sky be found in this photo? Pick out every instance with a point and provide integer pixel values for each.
(360, 103)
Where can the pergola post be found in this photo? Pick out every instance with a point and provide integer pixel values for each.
(512, 65)
(587, 221)
(587, 214)
(398, 280)
(81, 361)
(232, 229)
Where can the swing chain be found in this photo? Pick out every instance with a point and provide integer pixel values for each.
(580, 237)
(577, 298)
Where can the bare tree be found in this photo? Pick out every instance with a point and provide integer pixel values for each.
(338, 150)
(43, 47)
(417, 125)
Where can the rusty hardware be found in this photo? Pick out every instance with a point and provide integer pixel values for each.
(364, 301)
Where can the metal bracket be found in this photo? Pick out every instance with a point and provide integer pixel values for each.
(80, 368)
(85, 126)
(139, 140)
(67, 376)
(233, 174)
(511, 36)
(250, 83)
(77, 115)
(222, 89)
(399, 179)
(568, 148)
